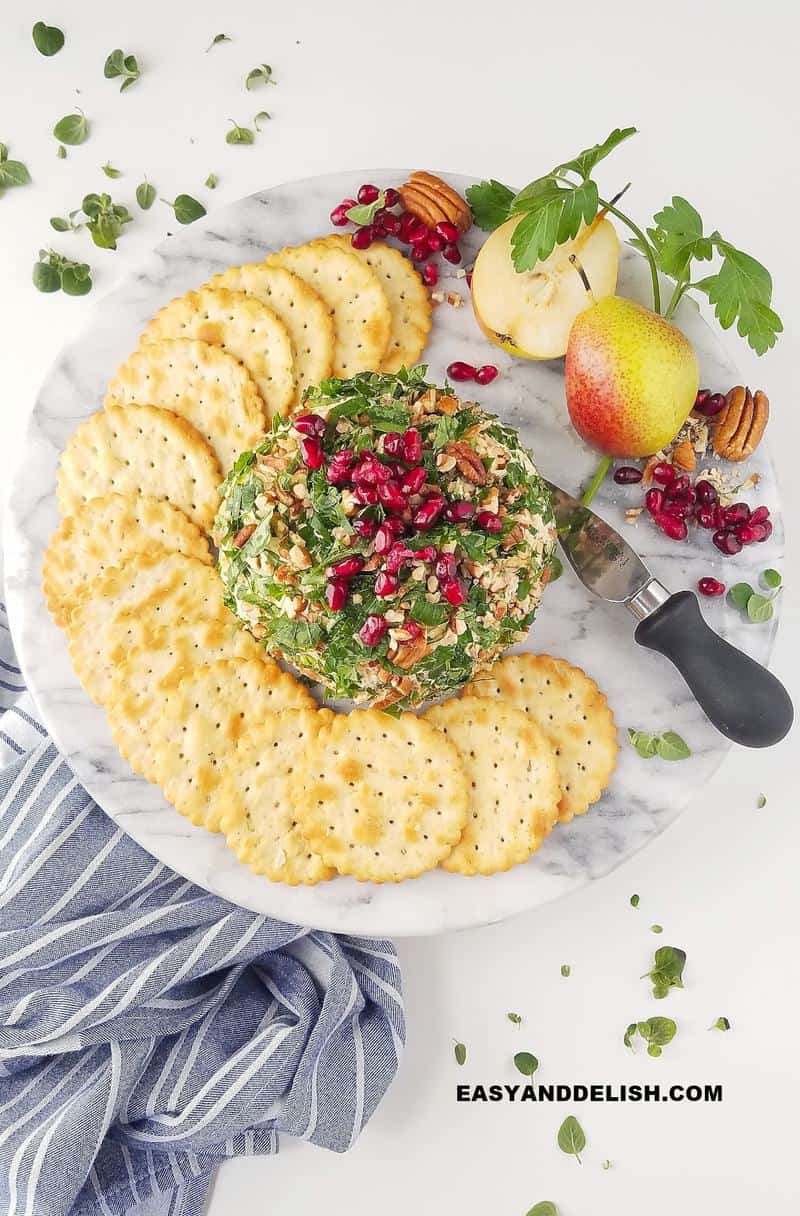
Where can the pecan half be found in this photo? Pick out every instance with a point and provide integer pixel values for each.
(409, 653)
(684, 457)
(468, 463)
(514, 537)
(431, 200)
(243, 535)
(741, 424)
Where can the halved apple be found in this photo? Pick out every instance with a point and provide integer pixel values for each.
(531, 313)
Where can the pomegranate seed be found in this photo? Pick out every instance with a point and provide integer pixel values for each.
(379, 223)
(420, 252)
(338, 216)
(706, 493)
(748, 533)
(664, 473)
(468, 278)
(373, 629)
(719, 517)
(426, 515)
(392, 197)
(458, 512)
(310, 424)
(759, 516)
(346, 567)
(397, 555)
(336, 594)
(710, 405)
(311, 452)
(407, 223)
(384, 539)
(490, 521)
(767, 527)
(448, 232)
(412, 445)
(347, 203)
(454, 592)
(412, 628)
(430, 275)
(369, 470)
(677, 485)
(395, 525)
(418, 233)
(391, 496)
(678, 508)
(738, 513)
(435, 242)
(393, 444)
(366, 495)
(654, 501)
(452, 253)
(413, 480)
(674, 528)
(706, 517)
(368, 193)
(391, 223)
(702, 397)
(727, 543)
(445, 567)
(365, 526)
(362, 237)
(710, 586)
(338, 471)
(386, 583)
(486, 374)
(428, 553)
(461, 371)
(627, 475)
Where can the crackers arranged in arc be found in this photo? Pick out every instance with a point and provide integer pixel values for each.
(289, 568)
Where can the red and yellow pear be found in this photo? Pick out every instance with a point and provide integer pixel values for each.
(631, 378)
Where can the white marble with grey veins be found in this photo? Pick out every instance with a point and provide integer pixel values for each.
(643, 689)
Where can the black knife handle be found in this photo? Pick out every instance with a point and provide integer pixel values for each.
(743, 700)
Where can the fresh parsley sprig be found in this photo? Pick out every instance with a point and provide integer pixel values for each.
(553, 208)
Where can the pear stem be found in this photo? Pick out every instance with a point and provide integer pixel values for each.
(575, 260)
(596, 482)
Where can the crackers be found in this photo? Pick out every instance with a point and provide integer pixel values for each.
(514, 788)
(140, 449)
(407, 296)
(202, 384)
(572, 713)
(354, 298)
(380, 798)
(243, 327)
(103, 534)
(302, 311)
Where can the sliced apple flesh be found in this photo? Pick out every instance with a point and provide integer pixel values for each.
(530, 313)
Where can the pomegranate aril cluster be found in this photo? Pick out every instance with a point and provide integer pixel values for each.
(423, 242)
(675, 502)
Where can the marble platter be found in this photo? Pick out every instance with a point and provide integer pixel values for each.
(643, 689)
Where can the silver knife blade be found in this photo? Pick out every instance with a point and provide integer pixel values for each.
(604, 562)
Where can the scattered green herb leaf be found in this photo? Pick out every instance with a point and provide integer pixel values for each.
(460, 1053)
(216, 40)
(12, 172)
(105, 219)
(525, 1063)
(606, 1164)
(72, 129)
(656, 929)
(565, 969)
(260, 117)
(628, 1035)
(211, 181)
(47, 39)
(761, 801)
(60, 224)
(119, 64)
(771, 578)
(721, 1024)
(61, 152)
(53, 272)
(545, 1208)
(186, 208)
(239, 135)
(667, 969)
(259, 75)
(739, 595)
(145, 195)
(515, 1018)
(634, 901)
(571, 1139)
(669, 745)
(759, 609)
(110, 171)
(656, 1032)
(364, 213)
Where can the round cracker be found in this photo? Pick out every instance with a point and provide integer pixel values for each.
(301, 309)
(514, 789)
(354, 297)
(381, 798)
(573, 714)
(266, 836)
(140, 449)
(245, 328)
(166, 587)
(195, 737)
(158, 657)
(103, 534)
(202, 384)
(407, 296)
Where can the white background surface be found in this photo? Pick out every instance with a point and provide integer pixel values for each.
(504, 92)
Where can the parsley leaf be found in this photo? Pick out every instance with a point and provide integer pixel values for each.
(741, 291)
(678, 237)
(490, 203)
(585, 162)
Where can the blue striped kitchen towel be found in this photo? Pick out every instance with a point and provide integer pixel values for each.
(148, 1029)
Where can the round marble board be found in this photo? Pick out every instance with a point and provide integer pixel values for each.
(643, 689)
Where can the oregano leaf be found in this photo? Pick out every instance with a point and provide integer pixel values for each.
(48, 39)
(145, 195)
(526, 1063)
(72, 129)
(571, 1138)
(460, 1053)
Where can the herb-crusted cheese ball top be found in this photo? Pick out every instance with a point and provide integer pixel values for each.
(388, 540)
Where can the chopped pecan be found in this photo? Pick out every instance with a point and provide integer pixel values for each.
(447, 405)
(514, 537)
(243, 535)
(409, 653)
(741, 424)
(684, 457)
(468, 463)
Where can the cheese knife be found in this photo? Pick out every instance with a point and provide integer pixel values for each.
(742, 699)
